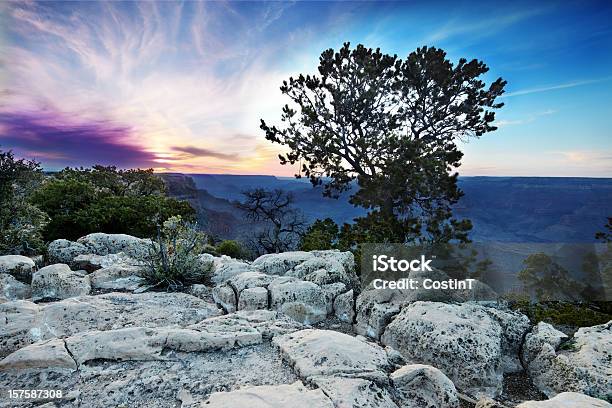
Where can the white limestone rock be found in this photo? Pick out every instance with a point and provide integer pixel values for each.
(253, 299)
(567, 400)
(64, 251)
(295, 395)
(20, 267)
(12, 289)
(466, 341)
(424, 386)
(300, 300)
(344, 307)
(542, 333)
(225, 296)
(23, 322)
(584, 364)
(45, 355)
(331, 291)
(57, 281)
(354, 392)
(100, 243)
(314, 352)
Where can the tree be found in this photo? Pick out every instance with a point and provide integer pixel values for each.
(548, 280)
(390, 126)
(230, 248)
(606, 235)
(104, 199)
(283, 224)
(320, 235)
(21, 223)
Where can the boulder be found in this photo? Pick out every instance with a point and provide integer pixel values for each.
(201, 291)
(93, 262)
(329, 353)
(57, 281)
(583, 364)
(354, 392)
(23, 322)
(253, 299)
(295, 395)
(466, 341)
(64, 251)
(344, 307)
(375, 309)
(117, 277)
(280, 264)
(567, 400)
(225, 297)
(542, 333)
(301, 300)
(423, 386)
(248, 280)
(45, 355)
(331, 291)
(20, 267)
(103, 244)
(12, 289)
(226, 268)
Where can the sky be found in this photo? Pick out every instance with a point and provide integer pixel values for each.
(182, 86)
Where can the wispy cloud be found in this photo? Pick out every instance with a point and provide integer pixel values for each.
(566, 85)
(202, 152)
(529, 119)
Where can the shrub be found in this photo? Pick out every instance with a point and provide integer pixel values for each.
(173, 259)
(230, 248)
(104, 199)
(21, 223)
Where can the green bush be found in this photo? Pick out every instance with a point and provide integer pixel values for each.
(173, 258)
(321, 235)
(21, 224)
(104, 199)
(230, 248)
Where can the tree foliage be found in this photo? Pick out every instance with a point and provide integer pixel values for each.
(104, 199)
(320, 235)
(21, 223)
(606, 235)
(390, 126)
(282, 223)
(231, 248)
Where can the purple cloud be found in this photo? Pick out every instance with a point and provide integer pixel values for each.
(201, 152)
(58, 140)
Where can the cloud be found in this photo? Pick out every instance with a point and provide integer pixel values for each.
(56, 138)
(529, 119)
(572, 84)
(202, 152)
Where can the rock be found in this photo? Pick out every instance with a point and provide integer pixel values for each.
(584, 364)
(12, 289)
(64, 251)
(343, 307)
(248, 280)
(20, 267)
(542, 333)
(117, 277)
(302, 301)
(253, 299)
(93, 262)
(266, 396)
(328, 353)
(225, 297)
(466, 341)
(49, 354)
(23, 322)
(201, 291)
(226, 268)
(486, 402)
(331, 291)
(423, 386)
(567, 400)
(58, 282)
(354, 392)
(375, 308)
(280, 264)
(103, 244)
